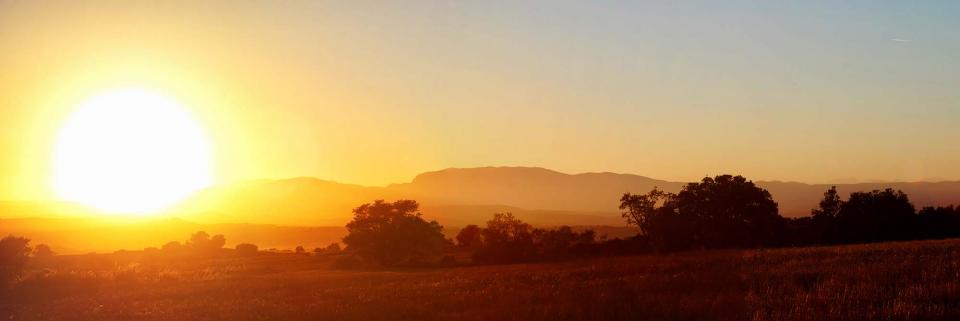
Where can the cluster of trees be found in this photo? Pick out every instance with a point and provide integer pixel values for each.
(395, 234)
(199, 244)
(874, 216)
(506, 239)
(732, 212)
(203, 244)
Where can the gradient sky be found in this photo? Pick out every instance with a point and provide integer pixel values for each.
(376, 92)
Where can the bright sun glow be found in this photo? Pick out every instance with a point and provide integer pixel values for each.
(130, 151)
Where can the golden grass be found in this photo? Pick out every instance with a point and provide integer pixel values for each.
(891, 281)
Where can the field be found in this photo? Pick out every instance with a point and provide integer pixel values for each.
(890, 281)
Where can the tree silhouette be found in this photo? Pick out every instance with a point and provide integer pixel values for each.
(172, 247)
(42, 250)
(830, 205)
(333, 248)
(655, 214)
(247, 249)
(720, 212)
(393, 233)
(639, 210)
(470, 237)
(14, 254)
(730, 211)
(822, 227)
(202, 243)
(875, 216)
(562, 242)
(506, 239)
(939, 222)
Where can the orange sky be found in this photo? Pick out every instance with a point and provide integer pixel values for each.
(376, 93)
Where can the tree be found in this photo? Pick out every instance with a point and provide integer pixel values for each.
(470, 237)
(393, 233)
(730, 211)
(562, 242)
(14, 254)
(201, 243)
(939, 222)
(656, 215)
(639, 209)
(720, 212)
(172, 247)
(42, 250)
(829, 206)
(506, 239)
(823, 223)
(333, 248)
(300, 250)
(875, 216)
(247, 249)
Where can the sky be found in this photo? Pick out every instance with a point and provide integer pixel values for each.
(375, 92)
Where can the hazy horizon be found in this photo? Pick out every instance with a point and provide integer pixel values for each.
(848, 181)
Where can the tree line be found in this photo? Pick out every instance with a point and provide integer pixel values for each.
(718, 212)
(732, 212)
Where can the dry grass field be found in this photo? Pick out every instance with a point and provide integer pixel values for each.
(890, 281)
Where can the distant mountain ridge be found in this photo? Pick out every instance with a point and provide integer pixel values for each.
(458, 196)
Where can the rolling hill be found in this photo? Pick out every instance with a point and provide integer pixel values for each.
(311, 212)
(459, 196)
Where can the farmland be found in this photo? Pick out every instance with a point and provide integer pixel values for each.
(887, 281)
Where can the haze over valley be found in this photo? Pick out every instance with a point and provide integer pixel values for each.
(284, 213)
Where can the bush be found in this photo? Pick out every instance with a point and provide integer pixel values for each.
(507, 239)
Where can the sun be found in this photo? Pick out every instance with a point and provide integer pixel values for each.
(130, 151)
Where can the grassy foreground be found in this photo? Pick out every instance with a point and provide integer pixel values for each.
(891, 281)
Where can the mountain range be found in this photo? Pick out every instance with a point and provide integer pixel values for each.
(311, 212)
(460, 196)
